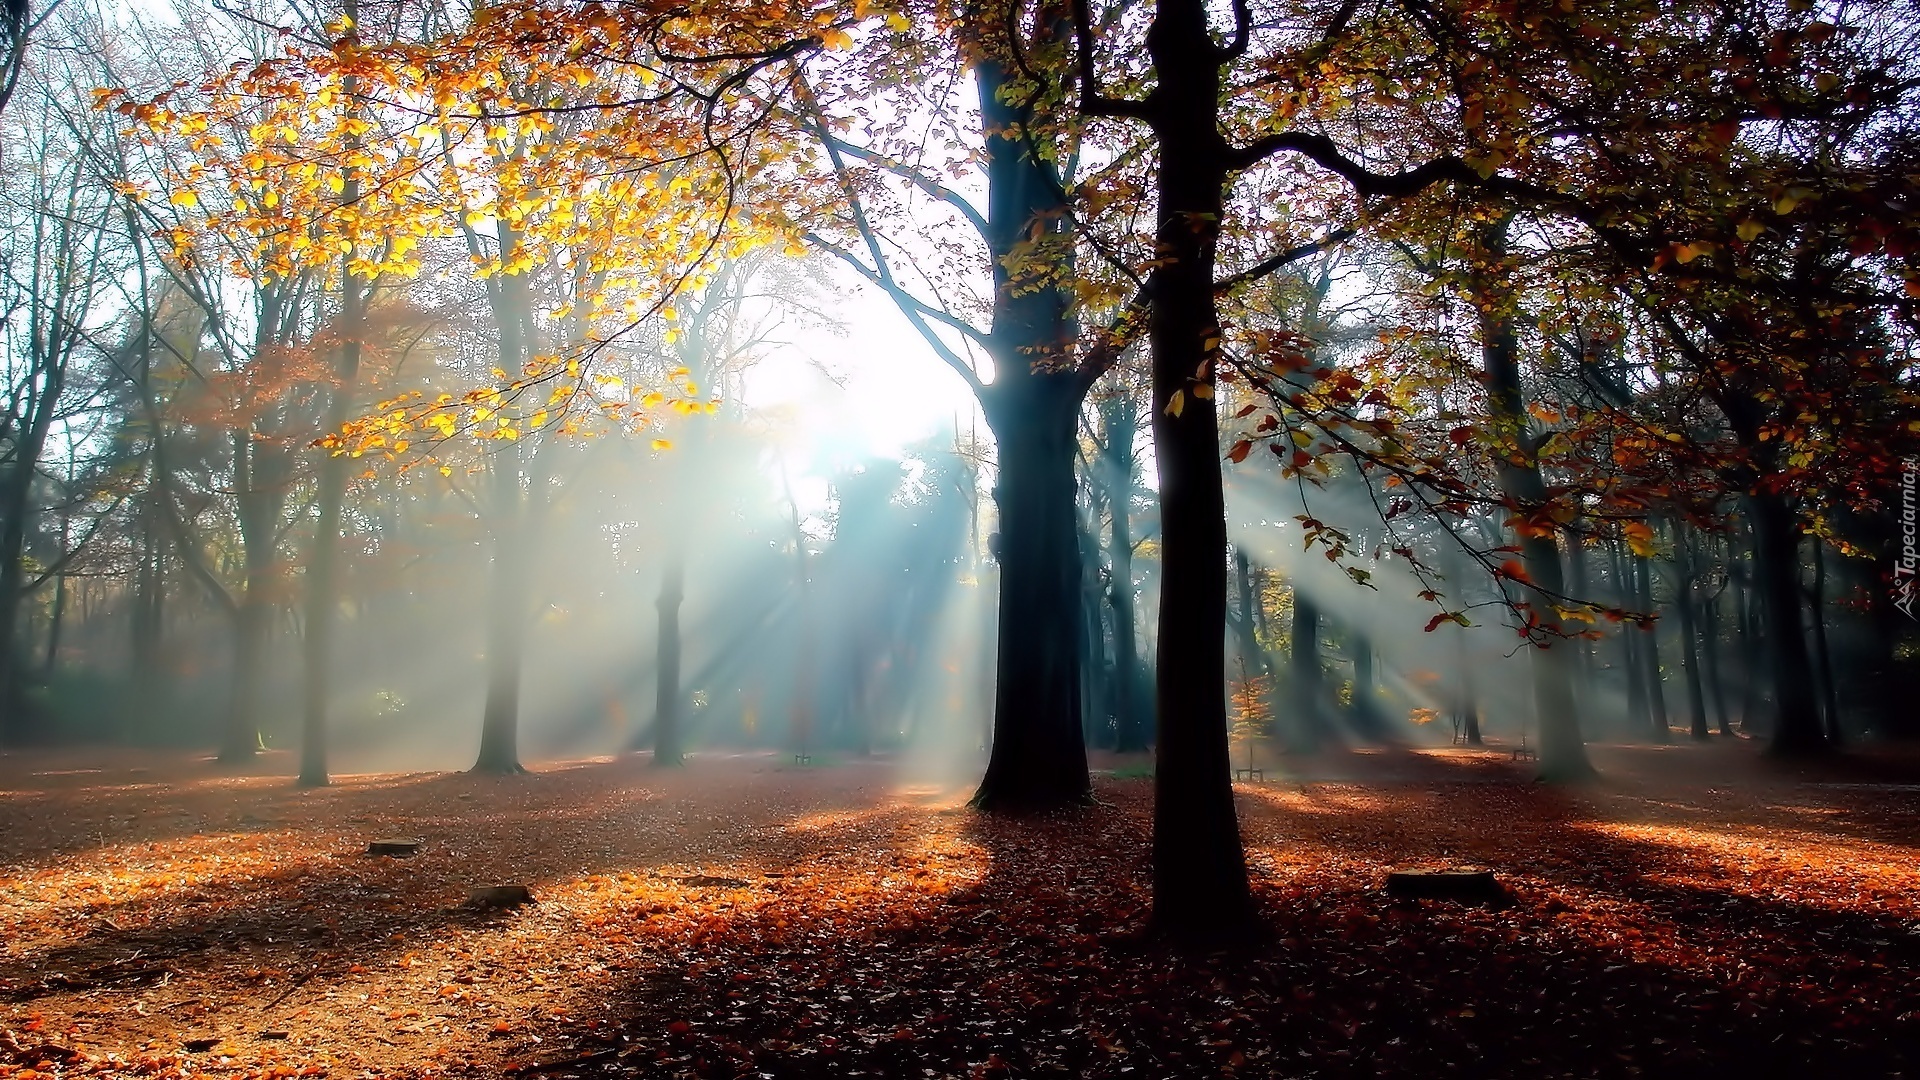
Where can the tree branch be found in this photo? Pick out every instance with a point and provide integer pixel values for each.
(1092, 101)
(1291, 255)
(918, 179)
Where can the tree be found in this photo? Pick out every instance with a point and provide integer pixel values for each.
(62, 257)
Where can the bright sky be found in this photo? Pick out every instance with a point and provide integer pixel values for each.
(894, 390)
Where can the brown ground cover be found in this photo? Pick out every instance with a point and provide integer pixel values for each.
(1701, 912)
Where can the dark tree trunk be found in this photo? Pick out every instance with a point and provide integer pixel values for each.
(1308, 695)
(16, 485)
(1365, 698)
(1130, 731)
(322, 590)
(13, 533)
(1829, 690)
(259, 514)
(1245, 621)
(1659, 727)
(1797, 729)
(506, 629)
(1200, 890)
(1630, 644)
(1746, 635)
(1580, 586)
(1096, 682)
(1710, 644)
(322, 600)
(667, 701)
(1563, 754)
(1710, 653)
(1039, 755)
(55, 622)
(252, 622)
(149, 683)
(44, 384)
(1689, 634)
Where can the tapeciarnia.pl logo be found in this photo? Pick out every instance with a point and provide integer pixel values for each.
(1906, 585)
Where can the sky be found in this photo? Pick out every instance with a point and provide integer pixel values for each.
(888, 390)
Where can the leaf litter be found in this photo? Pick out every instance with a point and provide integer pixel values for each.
(1697, 911)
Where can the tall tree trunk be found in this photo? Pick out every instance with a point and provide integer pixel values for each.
(1096, 682)
(149, 682)
(1797, 729)
(1829, 690)
(1366, 703)
(1630, 644)
(506, 626)
(1746, 636)
(1118, 419)
(16, 488)
(1470, 712)
(252, 622)
(1659, 726)
(323, 599)
(1710, 653)
(1039, 756)
(1580, 585)
(1243, 623)
(259, 514)
(1689, 635)
(1563, 754)
(1309, 697)
(667, 702)
(1200, 887)
(55, 621)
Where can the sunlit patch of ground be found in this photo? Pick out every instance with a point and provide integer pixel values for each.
(1699, 909)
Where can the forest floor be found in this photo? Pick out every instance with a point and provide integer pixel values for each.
(1701, 911)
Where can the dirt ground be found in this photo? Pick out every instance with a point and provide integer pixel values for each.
(1700, 911)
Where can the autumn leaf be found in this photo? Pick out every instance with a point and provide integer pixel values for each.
(1511, 568)
(1639, 537)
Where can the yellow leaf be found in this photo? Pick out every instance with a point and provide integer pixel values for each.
(662, 444)
(1177, 403)
(1204, 391)
(183, 197)
(1639, 537)
(445, 471)
(1748, 230)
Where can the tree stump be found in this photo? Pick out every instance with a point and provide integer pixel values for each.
(396, 846)
(488, 897)
(1444, 883)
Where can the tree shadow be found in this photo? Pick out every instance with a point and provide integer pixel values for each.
(819, 923)
(1615, 957)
